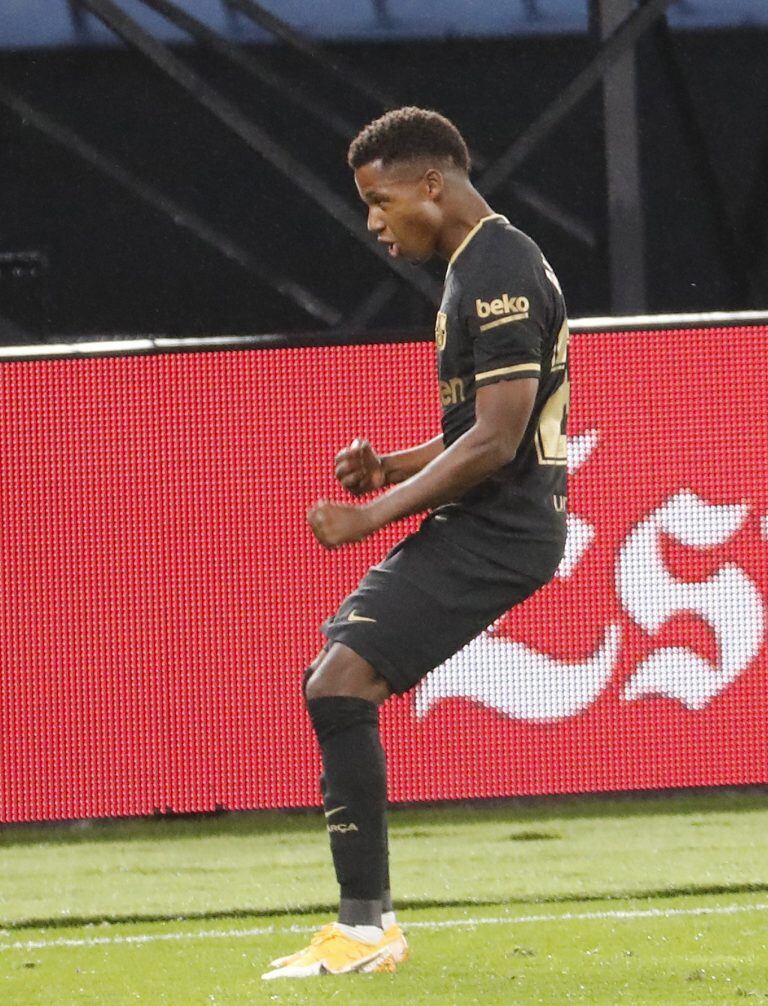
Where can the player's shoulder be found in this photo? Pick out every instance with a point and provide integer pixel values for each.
(503, 234)
(500, 258)
(496, 246)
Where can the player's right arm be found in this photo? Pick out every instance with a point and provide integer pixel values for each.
(361, 470)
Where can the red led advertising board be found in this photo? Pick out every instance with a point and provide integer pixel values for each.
(161, 592)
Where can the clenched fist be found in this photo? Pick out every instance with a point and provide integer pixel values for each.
(359, 468)
(335, 524)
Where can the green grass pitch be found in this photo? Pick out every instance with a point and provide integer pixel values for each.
(653, 900)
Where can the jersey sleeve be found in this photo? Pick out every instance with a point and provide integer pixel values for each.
(504, 313)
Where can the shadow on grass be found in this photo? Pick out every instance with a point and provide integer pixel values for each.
(520, 810)
(79, 921)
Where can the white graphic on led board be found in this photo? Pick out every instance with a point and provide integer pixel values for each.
(523, 683)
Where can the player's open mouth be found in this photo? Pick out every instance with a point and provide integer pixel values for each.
(394, 249)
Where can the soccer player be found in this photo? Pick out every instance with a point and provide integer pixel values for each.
(493, 481)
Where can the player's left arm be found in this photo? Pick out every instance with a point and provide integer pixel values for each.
(504, 313)
(502, 412)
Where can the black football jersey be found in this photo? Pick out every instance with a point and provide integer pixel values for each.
(503, 318)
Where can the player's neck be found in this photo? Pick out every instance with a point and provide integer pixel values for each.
(460, 218)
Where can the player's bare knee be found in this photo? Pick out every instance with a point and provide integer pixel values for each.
(326, 686)
(306, 678)
(343, 672)
(312, 668)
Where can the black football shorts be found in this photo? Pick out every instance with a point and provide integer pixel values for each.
(436, 590)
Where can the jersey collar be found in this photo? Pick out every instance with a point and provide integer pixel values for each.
(468, 238)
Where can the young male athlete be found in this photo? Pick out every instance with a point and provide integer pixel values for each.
(494, 483)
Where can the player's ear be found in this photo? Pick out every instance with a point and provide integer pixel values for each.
(434, 183)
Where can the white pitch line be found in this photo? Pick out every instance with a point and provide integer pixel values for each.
(509, 920)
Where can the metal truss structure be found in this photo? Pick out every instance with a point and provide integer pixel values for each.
(617, 25)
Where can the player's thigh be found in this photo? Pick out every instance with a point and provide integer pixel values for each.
(433, 593)
(341, 671)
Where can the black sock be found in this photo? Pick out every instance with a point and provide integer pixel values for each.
(386, 893)
(354, 796)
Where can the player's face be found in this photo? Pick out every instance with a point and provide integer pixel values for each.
(402, 207)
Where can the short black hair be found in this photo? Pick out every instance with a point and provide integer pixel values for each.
(407, 134)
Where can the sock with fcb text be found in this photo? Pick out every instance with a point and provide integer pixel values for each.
(388, 917)
(354, 796)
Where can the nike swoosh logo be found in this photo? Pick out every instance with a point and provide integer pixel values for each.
(354, 617)
(330, 813)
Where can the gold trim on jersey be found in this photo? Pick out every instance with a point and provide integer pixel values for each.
(551, 437)
(505, 321)
(468, 238)
(560, 354)
(532, 368)
(441, 330)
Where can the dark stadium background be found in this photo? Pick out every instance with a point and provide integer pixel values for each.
(104, 263)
